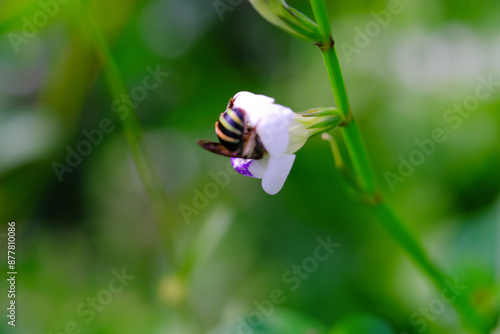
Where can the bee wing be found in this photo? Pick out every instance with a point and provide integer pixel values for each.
(217, 148)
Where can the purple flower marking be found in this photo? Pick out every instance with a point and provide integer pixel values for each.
(241, 166)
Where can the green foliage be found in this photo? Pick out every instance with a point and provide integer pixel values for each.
(126, 167)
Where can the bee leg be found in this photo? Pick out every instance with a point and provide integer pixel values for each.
(252, 149)
(217, 148)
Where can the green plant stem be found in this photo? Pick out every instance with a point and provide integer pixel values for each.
(363, 172)
(322, 21)
(350, 132)
(393, 225)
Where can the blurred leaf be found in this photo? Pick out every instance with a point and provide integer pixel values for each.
(290, 322)
(31, 134)
(362, 324)
(272, 320)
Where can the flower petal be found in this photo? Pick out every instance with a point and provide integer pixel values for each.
(276, 173)
(271, 120)
(273, 129)
(258, 167)
(250, 167)
(247, 99)
(241, 166)
(256, 106)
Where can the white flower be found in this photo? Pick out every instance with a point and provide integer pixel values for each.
(280, 132)
(271, 136)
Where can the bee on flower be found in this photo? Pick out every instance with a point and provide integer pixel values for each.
(261, 137)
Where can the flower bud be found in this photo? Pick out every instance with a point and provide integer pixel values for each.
(288, 19)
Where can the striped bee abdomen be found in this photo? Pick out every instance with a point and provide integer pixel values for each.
(230, 127)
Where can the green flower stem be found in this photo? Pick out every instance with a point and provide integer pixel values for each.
(386, 216)
(333, 68)
(161, 205)
(363, 171)
(350, 132)
(358, 157)
(319, 10)
(347, 180)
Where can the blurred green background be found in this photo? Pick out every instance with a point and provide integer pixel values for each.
(230, 262)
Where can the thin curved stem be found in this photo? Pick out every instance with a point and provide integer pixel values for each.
(350, 132)
(322, 20)
(160, 203)
(363, 173)
(393, 225)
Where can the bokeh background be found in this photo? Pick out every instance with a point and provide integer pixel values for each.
(208, 271)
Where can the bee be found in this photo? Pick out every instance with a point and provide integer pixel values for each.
(237, 139)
